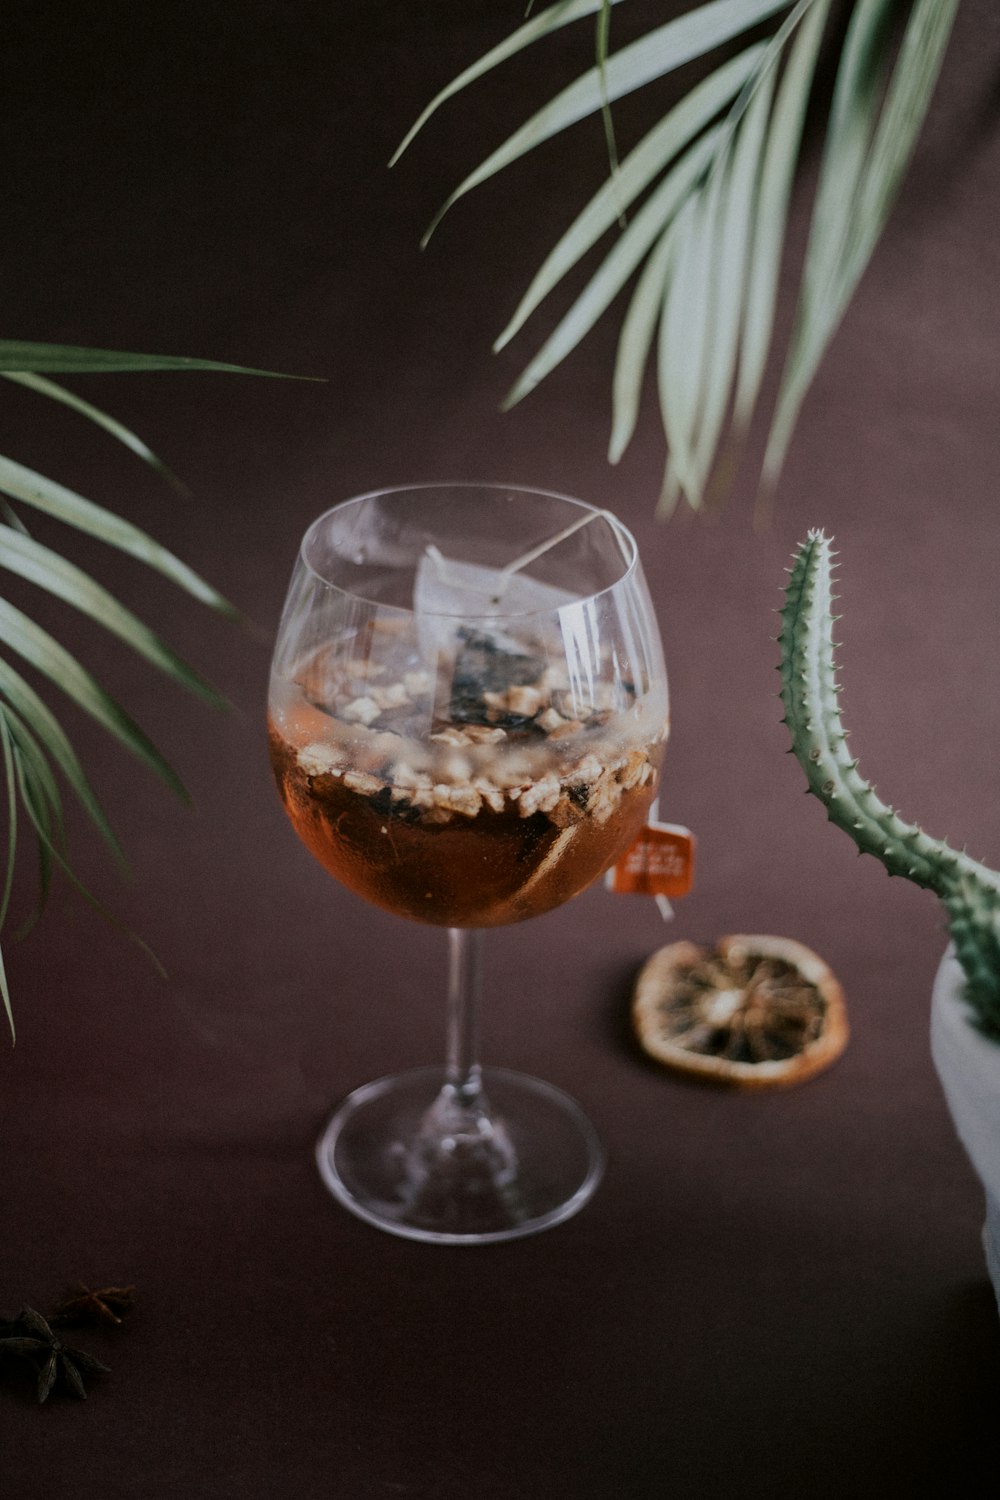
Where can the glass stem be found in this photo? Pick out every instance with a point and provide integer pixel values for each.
(462, 1056)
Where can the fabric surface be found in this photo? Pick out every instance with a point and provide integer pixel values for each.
(770, 1296)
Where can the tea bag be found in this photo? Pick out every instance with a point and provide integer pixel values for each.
(446, 586)
(481, 630)
(449, 586)
(456, 603)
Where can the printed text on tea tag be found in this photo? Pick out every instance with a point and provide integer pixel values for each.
(660, 864)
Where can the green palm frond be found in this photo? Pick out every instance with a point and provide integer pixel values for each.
(48, 570)
(70, 359)
(702, 201)
(35, 490)
(36, 755)
(45, 387)
(18, 696)
(9, 775)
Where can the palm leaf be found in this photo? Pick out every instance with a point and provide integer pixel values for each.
(70, 359)
(46, 727)
(634, 344)
(64, 504)
(35, 792)
(5, 997)
(30, 734)
(862, 172)
(728, 253)
(602, 44)
(542, 25)
(47, 656)
(9, 774)
(683, 336)
(711, 273)
(716, 302)
(48, 570)
(645, 162)
(650, 57)
(8, 765)
(615, 270)
(770, 211)
(11, 517)
(853, 115)
(44, 787)
(39, 796)
(45, 387)
(910, 88)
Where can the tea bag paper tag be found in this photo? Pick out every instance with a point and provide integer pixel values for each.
(659, 864)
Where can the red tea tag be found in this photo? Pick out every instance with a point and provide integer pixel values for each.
(659, 863)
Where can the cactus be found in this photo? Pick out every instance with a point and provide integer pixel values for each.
(969, 891)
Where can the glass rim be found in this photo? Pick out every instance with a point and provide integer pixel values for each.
(626, 541)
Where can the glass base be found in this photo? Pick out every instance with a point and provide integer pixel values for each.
(414, 1156)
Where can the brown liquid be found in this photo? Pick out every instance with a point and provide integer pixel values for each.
(485, 870)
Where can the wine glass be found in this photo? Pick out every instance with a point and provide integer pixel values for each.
(467, 713)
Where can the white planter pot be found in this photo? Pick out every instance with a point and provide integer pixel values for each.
(968, 1065)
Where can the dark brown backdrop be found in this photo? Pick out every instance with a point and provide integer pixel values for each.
(771, 1296)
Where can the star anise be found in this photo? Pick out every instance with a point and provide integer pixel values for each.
(83, 1305)
(30, 1337)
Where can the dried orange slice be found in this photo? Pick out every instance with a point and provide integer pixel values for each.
(754, 1012)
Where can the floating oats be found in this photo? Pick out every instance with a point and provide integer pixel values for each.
(565, 729)
(490, 793)
(462, 799)
(550, 721)
(451, 736)
(403, 775)
(361, 711)
(483, 734)
(363, 782)
(392, 696)
(587, 770)
(539, 796)
(322, 758)
(523, 700)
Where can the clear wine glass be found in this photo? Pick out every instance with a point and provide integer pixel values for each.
(467, 713)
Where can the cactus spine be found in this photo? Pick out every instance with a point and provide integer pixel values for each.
(969, 891)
